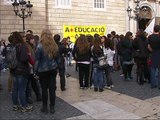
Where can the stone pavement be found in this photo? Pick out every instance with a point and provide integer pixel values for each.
(127, 100)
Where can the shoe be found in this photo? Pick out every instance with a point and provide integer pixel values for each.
(70, 64)
(141, 83)
(101, 90)
(95, 89)
(26, 109)
(3, 70)
(91, 86)
(63, 89)
(30, 101)
(130, 77)
(112, 86)
(121, 74)
(127, 79)
(52, 109)
(153, 86)
(85, 88)
(81, 88)
(108, 87)
(68, 75)
(44, 109)
(39, 99)
(15, 108)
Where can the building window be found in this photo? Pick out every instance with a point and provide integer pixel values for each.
(63, 3)
(99, 4)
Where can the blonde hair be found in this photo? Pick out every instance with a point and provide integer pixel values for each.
(49, 45)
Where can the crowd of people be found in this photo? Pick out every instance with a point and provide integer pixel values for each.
(40, 59)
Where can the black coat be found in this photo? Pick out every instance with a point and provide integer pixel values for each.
(140, 44)
(61, 54)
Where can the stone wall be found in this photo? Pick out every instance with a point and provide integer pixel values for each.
(45, 14)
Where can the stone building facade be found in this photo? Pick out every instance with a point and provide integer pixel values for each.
(53, 14)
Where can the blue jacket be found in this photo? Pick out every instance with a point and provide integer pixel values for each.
(43, 62)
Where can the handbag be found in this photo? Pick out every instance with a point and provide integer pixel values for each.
(102, 62)
(137, 54)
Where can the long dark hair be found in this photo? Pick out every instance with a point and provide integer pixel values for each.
(97, 44)
(128, 35)
(108, 43)
(17, 38)
(82, 44)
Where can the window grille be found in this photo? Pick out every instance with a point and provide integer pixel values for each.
(63, 3)
(100, 4)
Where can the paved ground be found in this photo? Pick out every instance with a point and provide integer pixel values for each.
(63, 109)
(127, 100)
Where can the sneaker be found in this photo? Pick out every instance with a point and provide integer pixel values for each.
(15, 108)
(112, 86)
(68, 75)
(91, 86)
(121, 75)
(108, 87)
(26, 109)
(85, 88)
(3, 70)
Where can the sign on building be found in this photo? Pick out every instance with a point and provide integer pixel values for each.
(75, 31)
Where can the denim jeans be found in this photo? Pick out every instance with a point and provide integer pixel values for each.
(19, 90)
(155, 77)
(69, 58)
(108, 80)
(98, 78)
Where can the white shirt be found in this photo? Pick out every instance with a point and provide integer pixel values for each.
(110, 54)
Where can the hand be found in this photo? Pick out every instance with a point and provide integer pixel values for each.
(29, 53)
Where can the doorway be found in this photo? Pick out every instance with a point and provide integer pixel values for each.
(143, 23)
(145, 17)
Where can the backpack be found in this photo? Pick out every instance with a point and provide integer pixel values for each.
(11, 56)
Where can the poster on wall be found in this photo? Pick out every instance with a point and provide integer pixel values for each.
(75, 31)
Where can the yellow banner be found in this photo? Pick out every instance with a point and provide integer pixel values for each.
(75, 31)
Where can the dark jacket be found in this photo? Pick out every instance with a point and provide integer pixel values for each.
(127, 47)
(81, 57)
(140, 45)
(61, 54)
(96, 53)
(23, 60)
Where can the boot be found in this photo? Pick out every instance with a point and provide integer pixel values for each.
(44, 109)
(52, 109)
(39, 98)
